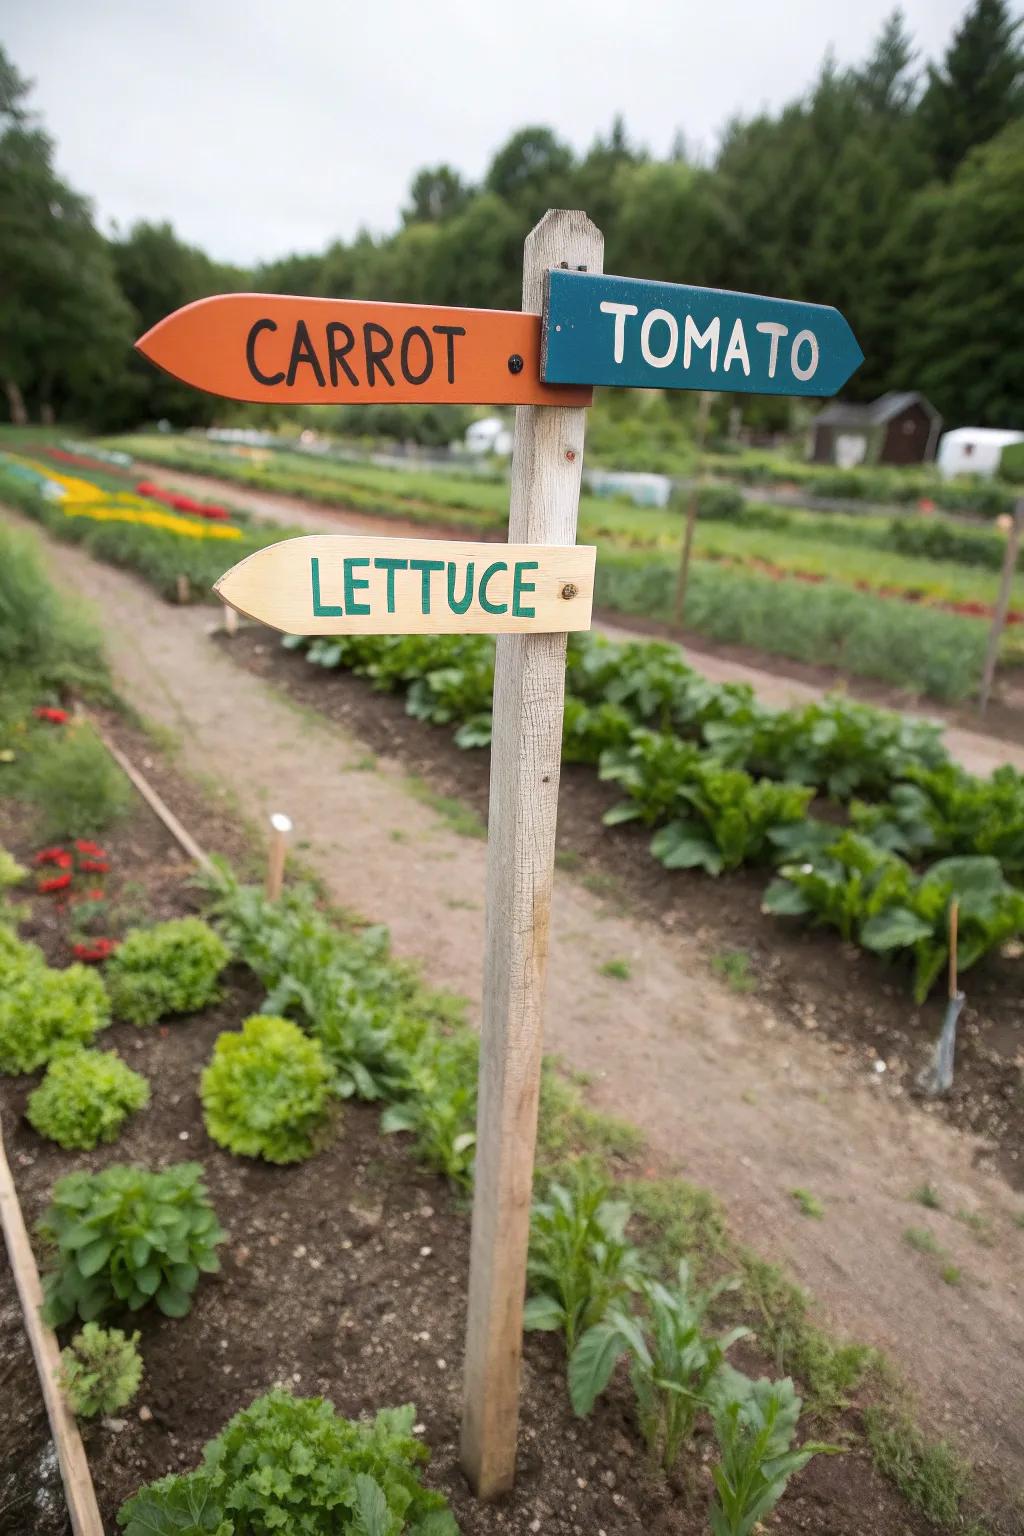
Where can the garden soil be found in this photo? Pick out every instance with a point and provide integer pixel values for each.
(732, 1091)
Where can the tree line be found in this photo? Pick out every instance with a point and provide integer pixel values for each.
(893, 190)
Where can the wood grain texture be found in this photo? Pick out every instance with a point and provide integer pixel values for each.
(342, 584)
(529, 691)
(74, 1468)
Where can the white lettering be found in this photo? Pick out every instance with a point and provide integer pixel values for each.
(620, 311)
(773, 329)
(798, 340)
(673, 338)
(736, 351)
(693, 338)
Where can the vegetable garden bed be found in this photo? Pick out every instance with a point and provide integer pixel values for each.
(343, 1276)
(823, 985)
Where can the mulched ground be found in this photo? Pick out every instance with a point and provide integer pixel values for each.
(809, 976)
(344, 1276)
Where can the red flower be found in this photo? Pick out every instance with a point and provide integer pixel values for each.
(85, 846)
(94, 866)
(55, 883)
(54, 716)
(97, 895)
(94, 949)
(58, 856)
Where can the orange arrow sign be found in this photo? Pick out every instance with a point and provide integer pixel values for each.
(262, 347)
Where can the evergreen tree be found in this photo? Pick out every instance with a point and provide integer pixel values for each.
(978, 88)
(65, 330)
(963, 335)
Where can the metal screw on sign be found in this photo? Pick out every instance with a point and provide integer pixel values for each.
(515, 363)
(569, 590)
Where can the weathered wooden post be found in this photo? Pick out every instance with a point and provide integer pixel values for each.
(1002, 607)
(526, 751)
(682, 580)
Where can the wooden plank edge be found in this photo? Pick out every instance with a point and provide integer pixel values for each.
(152, 799)
(74, 1466)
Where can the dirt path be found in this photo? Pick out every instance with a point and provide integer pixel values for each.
(730, 1095)
(976, 751)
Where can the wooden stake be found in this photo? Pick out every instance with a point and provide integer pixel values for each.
(183, 589)
(280, 828)
(230, 620)
(1002, 605)
(703, 412)
(74, 1468)
(954, 926)
(526, 748)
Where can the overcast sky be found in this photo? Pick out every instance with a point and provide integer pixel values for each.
(259, 127)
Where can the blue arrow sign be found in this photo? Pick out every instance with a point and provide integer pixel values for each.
(645, 335)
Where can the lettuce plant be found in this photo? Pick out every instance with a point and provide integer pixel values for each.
(100, 1371)
(85, 1098)
(580, 1259)
(672, 1362)
(266, 1092)
(294, 1465)
(170, 968)
(125, 1237)
(44, 1011)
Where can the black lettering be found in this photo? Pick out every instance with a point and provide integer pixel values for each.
(375, 355)
(303, 352)
(428, 367)
(250, 353)
(336, 354)
(451, 331)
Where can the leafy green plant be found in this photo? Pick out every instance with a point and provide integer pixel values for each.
(874, 897)
(367, 1013)
(754, 1423)
(11, 872)
(85, 1098)
(733, 966)
(266, 1092)
(100, 1371)
(125, 1237)
(76, 786)
(295, 1466)
(672, 1362)
(945, 811)
(728, 819)
(42, 635)
(580, 1259)
(44, 1011)
(439, 1109)
(167, 969)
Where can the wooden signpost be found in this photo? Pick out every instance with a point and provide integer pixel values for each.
(530, 592)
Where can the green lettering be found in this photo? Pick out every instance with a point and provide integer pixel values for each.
(485, 604)
(519, 586)
(428, 567)
(352, 582)
(459, 605)
(391, 565)
(321, 610)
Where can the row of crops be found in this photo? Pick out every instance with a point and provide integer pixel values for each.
(719, 780)
(870, 828)
(905, 600)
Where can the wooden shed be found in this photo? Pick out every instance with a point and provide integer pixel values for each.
(897, 428)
